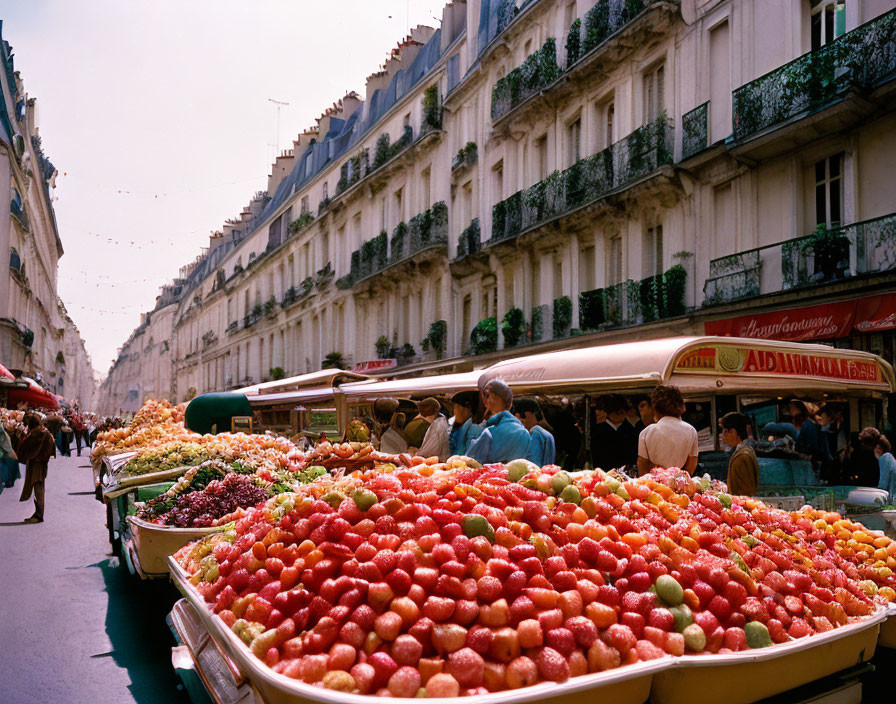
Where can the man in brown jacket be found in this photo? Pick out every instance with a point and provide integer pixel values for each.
(743, 468)
(35, 451)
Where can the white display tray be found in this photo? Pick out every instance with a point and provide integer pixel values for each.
(623, 685)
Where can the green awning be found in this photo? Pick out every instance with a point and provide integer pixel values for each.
(209, 410)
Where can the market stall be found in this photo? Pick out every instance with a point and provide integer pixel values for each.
(523, 583)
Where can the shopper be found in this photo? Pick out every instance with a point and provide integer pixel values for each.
(614, 441)
(882, 451)
(743, 467)
(9, 463)
(504, 437)
(809, 439)
(77, 426)
(463, 430)
(35, 452)
(542, 449)
(53, 423)
(392, 439)
(416, 428)
(864, 469)
(670, 442)
(435, 441)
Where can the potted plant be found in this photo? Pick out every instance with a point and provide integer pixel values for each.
(831, 251)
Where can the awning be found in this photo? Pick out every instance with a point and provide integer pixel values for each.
(827, 321)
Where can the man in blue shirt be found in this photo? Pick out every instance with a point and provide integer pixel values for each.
(463, 430)
(504, 437)
(541, 445)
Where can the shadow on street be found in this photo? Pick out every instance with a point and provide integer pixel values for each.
(141, 641)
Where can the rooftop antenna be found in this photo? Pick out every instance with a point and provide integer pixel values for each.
(276, 145)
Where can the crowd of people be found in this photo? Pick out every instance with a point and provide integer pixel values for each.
(634, 434)
(33, 437)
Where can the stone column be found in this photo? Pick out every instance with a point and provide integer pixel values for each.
(571, 277)
(498, 268)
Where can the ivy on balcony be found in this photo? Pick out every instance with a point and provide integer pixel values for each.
(695, 131)
(466, 156)
(562, 319)
(825, 256)
(507, 12)
(432, 111)
(864, 58)
(425, 230)
(639, 154)
(385, 150)
(484, 337)
(537, 71)
(436, 339)
(470, 240)
(606, 18)
(513, 327)
(634, 302)
(300, 223)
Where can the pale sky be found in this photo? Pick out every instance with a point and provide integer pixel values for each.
(156, 114)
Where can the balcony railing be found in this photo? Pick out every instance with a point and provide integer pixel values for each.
(824, 257)
(641, 153)
(537, 71)
(695, 131)
(424, 231)
(470, 240)
(599, 24)
(634, 302)
(864, 58)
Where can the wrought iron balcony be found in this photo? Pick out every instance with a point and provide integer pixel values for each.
(540, 69)
(636, 156)
(824, 257)
(695, 131)
(863, 58)
(424, 231)
(634, 302)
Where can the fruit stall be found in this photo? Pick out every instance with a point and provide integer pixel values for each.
(458, 580)
(338, 572)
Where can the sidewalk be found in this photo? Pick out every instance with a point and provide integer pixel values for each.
(76, 627)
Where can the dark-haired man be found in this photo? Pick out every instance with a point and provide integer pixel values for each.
(743, 467)
(542, 449)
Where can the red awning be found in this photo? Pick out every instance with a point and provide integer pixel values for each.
(822, 322)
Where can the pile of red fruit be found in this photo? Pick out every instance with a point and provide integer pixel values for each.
(464, 581)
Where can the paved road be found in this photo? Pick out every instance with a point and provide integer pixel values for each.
(75, 626)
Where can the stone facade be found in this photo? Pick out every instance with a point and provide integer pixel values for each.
(545, 174)
(37, 337)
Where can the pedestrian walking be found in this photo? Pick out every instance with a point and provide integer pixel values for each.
(35, 452)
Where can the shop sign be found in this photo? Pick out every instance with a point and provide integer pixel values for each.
(822, 322)
(734, 360)
(375, 365)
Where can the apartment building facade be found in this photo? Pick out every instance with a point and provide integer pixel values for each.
(538, 175)
(37, 336)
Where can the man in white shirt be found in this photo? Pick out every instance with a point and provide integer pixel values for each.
(670, 442)
(435, 441)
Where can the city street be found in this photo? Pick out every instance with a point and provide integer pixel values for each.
(76, 626)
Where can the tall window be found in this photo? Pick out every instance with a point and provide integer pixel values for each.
(652, 251)
(326, 190)
(586, 268)
(305, 206)
(829, 191)
(654, 99)
(425, 181)
(541, 157)
(325, 248)
(574, 141)
(828, 19)
(604, 112)
(398, 215)
(498, 181)
(614, 260)
(467, 319)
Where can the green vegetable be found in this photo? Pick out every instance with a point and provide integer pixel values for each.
(364, 498)
(669, 590)
(559, 482)
(757, 635)
(571, 494)
(684, 617)
(694, 638)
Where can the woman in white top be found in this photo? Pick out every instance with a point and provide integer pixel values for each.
(670, 442)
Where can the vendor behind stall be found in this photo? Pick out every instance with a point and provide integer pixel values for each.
(614, 440)
(504, 438)
(743, 467)
(542, 450)
(463, 430)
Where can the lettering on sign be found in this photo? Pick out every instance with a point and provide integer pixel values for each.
(732, 360)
